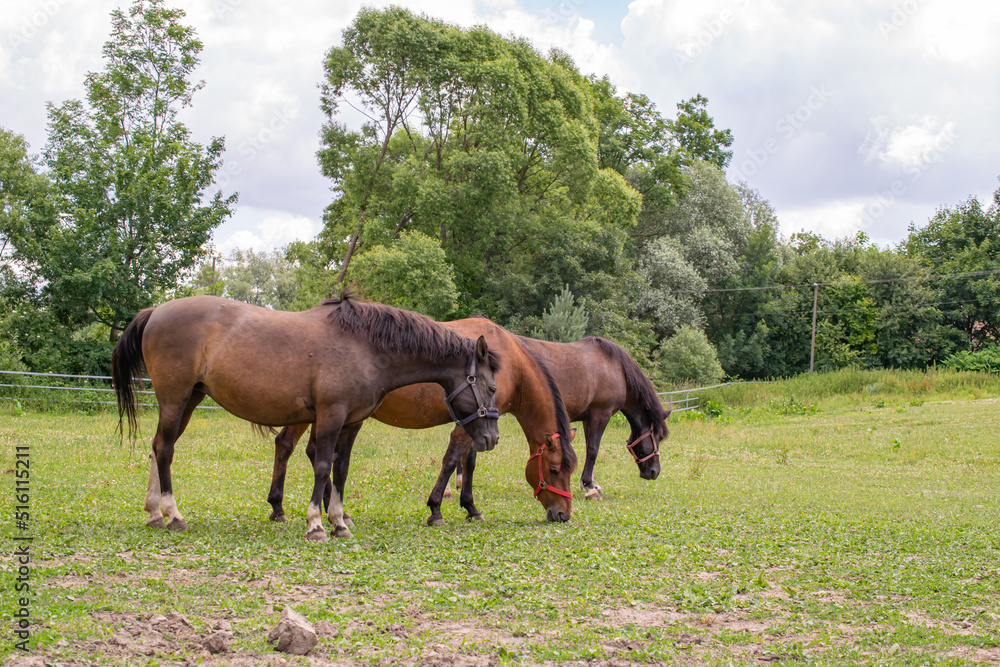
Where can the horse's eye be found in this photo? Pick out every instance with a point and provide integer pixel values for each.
(493, 390)
(553, 471)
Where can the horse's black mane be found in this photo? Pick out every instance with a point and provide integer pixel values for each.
(398, 331)
(637, 385)
(562, 417)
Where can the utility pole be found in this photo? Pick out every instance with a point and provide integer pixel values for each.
(812, 346)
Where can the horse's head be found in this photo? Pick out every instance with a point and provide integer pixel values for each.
(644, 446)
(473, 401)
(548, 473)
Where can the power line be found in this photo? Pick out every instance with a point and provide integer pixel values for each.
(969, 274)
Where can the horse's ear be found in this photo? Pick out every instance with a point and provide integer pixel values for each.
(572, 434)
(482, 349)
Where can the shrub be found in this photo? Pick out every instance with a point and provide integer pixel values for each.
(689, 357)
(986, 360)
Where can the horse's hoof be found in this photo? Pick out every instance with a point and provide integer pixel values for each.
(342, 531)
(317, 535)
(177, 525)
(458, 481)
(475, 517)
(156, 523)
(348, 521)
(435, 521)
(593, 494)
(278, 518)
(447, 493)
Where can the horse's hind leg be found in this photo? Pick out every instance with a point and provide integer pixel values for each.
(457, 445)
(174, 418)
(284, 445)
(593, 429)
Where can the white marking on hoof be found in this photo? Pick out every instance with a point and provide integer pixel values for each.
(170, 512)
(447, 492)
(348, 521)
(593, 494)
(335, 512)
(458, 481)
(314, 524)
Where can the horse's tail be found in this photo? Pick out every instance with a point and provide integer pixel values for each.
(126, 364)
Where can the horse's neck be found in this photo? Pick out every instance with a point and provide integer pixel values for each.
(411, 369)
(534, 391)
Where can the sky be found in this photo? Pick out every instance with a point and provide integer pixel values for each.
(848, 116)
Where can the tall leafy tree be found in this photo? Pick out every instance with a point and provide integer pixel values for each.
(964, 239)
(695, 131)
(481, 142)
(128, 181)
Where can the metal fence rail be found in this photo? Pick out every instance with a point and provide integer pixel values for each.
(9, 395)
(681, 400)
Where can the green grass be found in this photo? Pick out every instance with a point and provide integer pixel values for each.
(838, 528)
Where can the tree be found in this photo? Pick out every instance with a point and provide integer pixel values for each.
(691, 246)
(128, 182)
(266, 278)
(695, 130)
(563, 322)
(481, 142)
(411, 273)
(688, 357)
(960, 240)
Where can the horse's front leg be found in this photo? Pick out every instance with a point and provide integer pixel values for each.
(284, 445)
(342, 463)
(457, 445)
(328, 426)
(465, 498)
(593, 429)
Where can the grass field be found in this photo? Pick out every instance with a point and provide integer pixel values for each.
(859, 526)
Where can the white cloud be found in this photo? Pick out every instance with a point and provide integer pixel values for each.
(272, 229)
(908, 147)
(961, 32)
(832, 219)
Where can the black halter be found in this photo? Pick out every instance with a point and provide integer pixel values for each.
(470, 381)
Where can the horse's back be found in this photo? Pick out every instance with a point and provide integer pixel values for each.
(244, 356)
(586, 376)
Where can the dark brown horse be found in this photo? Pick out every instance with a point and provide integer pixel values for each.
(597, 378)
(330, 366)
(525, 388)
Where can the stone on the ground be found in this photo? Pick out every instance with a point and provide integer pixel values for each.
(293, 634)
(217, 642)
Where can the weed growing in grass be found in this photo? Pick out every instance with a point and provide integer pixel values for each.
(697, 466)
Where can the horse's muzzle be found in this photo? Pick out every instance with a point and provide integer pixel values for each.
(485, 443)
(555, 515)
(650, 473)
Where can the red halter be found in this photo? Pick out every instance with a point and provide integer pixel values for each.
(631, 446)
(541, 480)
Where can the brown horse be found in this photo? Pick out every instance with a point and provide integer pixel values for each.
(330, 366)
(525, 388)
(597, 378)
